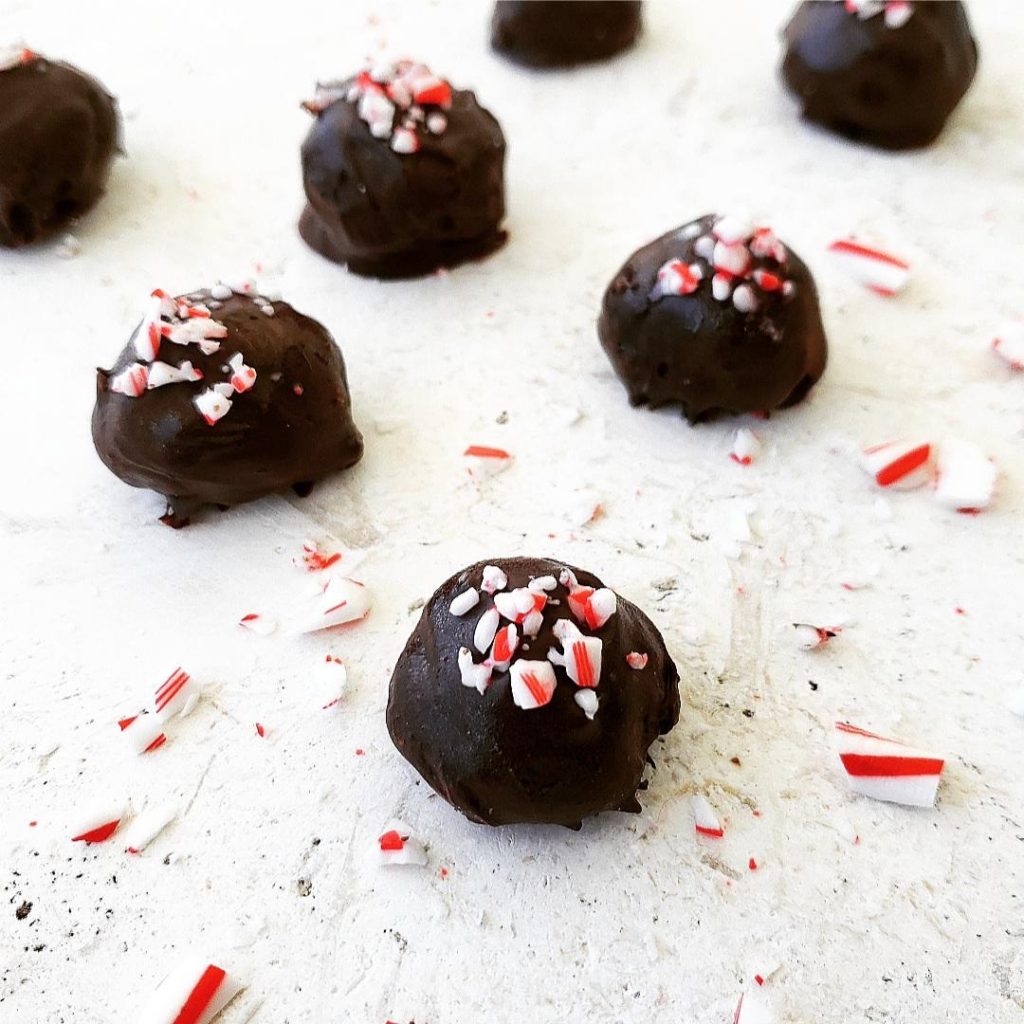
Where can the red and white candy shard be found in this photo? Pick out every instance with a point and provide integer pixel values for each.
(396, 845)
(880, 271)
(544, 584)
(505, 643)
(494, 579)
(96, 824)
(810, 637)
(966, 478)
(518, 604)
(194, 992)
(464, 602)
(533, 683)
(212, 405)
(745, 447)
(143, 733)
(145, 827)
(580, 655)
(888, 770)
(173, 694)
(261, 625)
(486, 628)
(897, 12)
(315, 557)
(1009, 344)
(483, 461)
(12, 55)
(131, 381)
(752, 1009)
(342, 600)
(473, 675)
(594, 607)
(678, 278)
(636, 661)
(901, 465)
(705, 820)
(242, 377)
(588, 701)
(163, 373)
(333, 681)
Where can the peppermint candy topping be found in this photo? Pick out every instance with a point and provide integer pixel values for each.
(877, 270)
(580, 655)
(896, 12)
(966, 477)
(888, 770)
(726, 257)
(163, 373)
(533, 684)
(12, 56)
(901, 465)
(193, 993)
(97, 823)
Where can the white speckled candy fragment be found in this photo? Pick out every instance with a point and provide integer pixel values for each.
(397, 846)
(587, 701)
(888, 770)
(261, 625)
(966, 477)
(464, 602)
(533, 683)
(1009, 344)
(194, 992)
(145, 827)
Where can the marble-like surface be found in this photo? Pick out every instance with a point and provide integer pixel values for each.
(268, 867)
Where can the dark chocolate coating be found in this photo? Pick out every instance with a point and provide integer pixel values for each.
(59, 131)
(890, 87)
(703, 353)
(391, 215)
(270, 440)
(563, 33)
(500, 764)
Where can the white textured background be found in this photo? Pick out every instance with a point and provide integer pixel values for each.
(631, 919)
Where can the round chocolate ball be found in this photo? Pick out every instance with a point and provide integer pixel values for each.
(403, 174)
(529, 692)
(718, 316)
(223, 396)
(562, 33)
(59, 131)
(885, 73)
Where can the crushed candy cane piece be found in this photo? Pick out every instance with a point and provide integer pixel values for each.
(464, 602)
(145, 827)
(486, 628)
(636, 661)
(879, 271)
(316, 558)
(473, 675)
(896, 13)
(494, 579)
(901, 465)
(97, 823)
(1009, 344)
(888, 770)
(745, 447)
(242, 377)
(144, 733)
(212, 405)
(194, 992)
(533, 683)
(516, 605)
(543, 583)
(588, 701)
(705, 820)
(172, 694)
(398, 846)
(131, 381)
(342, 600)
(261, 730)
(580, 655)
(161, 374)
(261, 625)
(966, 477)
(594, 607)
(334, 681)
(678, 278)
(483, 461)
(810, 637)
(505, 643)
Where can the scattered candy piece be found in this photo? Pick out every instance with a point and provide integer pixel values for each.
(315, 558)
(242, 377)
(144, 733)
(901, 465)
(98, 823)
(212, 405)
(334, 681)
(161, 374)
(883, 273)
(486, 628)
(888, 770)
(397, 845)
(1009, 344)
(13, 54)
(637, 661)
(262, 625)
(343, 600)
(533, 683)
(193, 993)
(810, 637)
(966, 477)
(588, 701)
(705, 820)
(494, 579)
(745, 447)
(131, 381)
(580, 655)
(147, 826)
(483, 461)
(473, 675)
(464, 602)
(172, 694)
(261, 730)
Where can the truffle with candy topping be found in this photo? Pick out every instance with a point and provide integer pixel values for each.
(563, 33)
(885, 73)
(403, 173)
(59, 132)
(529, 692)
(718, 316)
(224, 396)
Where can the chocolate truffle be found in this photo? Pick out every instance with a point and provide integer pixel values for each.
(59, 131)
(529, 692)
(562, 33)
(224, 396)
(888, 74)
(403, 174)
(718, 316)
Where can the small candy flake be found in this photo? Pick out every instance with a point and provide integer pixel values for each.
(505, 643)
(877, 270)
(966, 477)
(143, 733)
(194, 992)
(261, 625)
(342, 600)
(485, 461)
(316, 558)
(580, 655)
(519, 603)
(96, 824)
(404, 141)
(436, 123)
(494, 579)
(145, 827)
(161, 374)
(731, 259)
(678, 278)
(897, 13)
(464, 602)
(809, 637)
(131, 381)
(486, 628)
(744, 299)
(13, 55)
(172, 694)
(333, 678)
(1009, 345)
(901, 465)
(745, 447)
(396, 845)
(888, 770)
(587, 701)
(242, 377)
(636, 661)
(533, 683)
(261, 730)
(473, 675)
(705, 820)
(212, 405)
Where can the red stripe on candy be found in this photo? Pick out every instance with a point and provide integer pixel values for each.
(904, 465)
(855, 249)
(391, 841)
(584, 669)
(482, 452)
(98, 835)
(875, 765)
(201, 996)
(537, 691)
